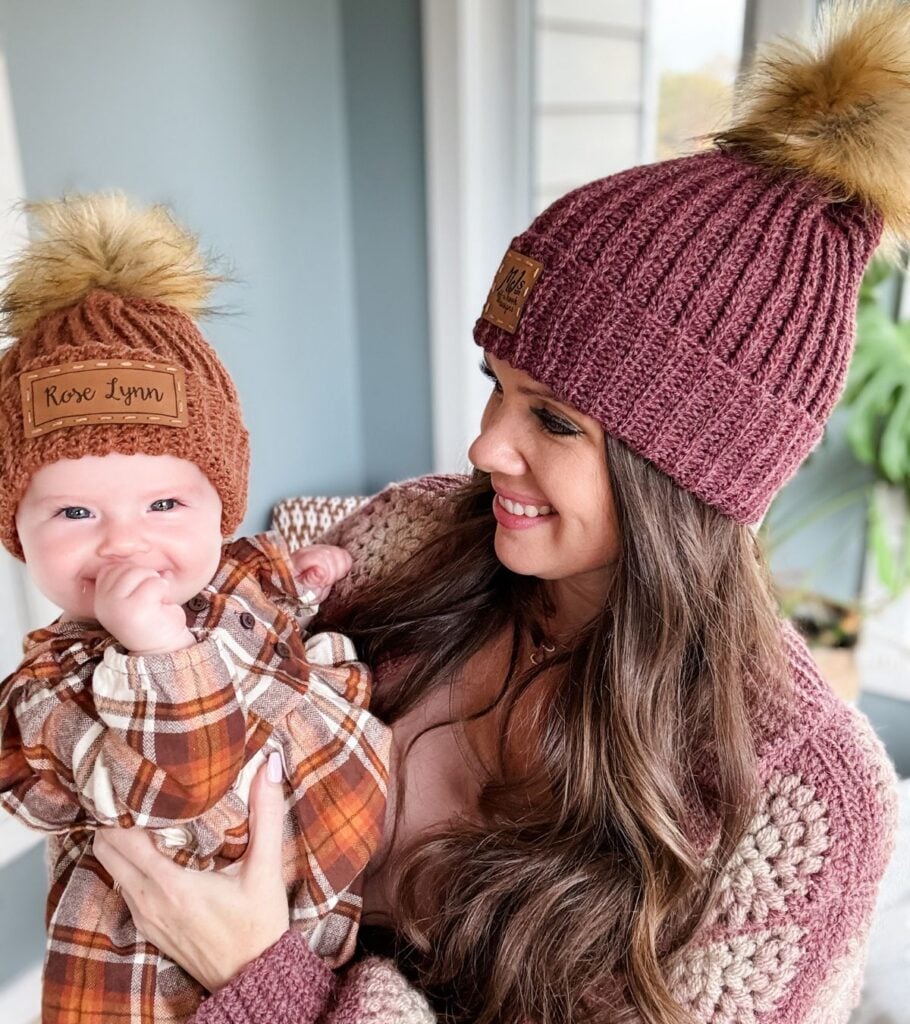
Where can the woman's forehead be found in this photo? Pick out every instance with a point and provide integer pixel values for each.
(525, 384)
(519, 379)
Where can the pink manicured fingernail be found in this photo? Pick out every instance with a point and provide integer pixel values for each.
(274, 769)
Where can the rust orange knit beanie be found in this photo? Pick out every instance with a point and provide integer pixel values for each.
(106, 355)
(703, 309)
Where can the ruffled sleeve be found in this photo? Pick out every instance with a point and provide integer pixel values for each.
(266, 557)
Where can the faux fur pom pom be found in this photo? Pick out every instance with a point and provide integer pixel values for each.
(840, 110)
(84, 242)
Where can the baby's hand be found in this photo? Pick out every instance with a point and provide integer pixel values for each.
(320, 566)
(134, 605)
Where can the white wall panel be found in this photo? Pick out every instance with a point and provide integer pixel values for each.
(574, 69)
(626, 13)
(578, 148)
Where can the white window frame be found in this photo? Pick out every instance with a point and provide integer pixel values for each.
(477, 103)
(25, 607)
(770, 18)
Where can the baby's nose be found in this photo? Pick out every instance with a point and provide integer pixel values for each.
(121, 540)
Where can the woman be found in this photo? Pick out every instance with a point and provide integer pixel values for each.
(623, 791)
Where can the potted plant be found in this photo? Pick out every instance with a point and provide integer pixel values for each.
(831, 628)
(874, 628)
(877, 398)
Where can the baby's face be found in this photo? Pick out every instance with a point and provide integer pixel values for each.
(151, 511)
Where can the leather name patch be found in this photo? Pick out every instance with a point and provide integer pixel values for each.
(102, 391)
(512, 285)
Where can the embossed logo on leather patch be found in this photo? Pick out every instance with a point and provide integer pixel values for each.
(512, 285)
(102, 391)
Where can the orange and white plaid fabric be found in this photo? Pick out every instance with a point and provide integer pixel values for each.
(91, 736)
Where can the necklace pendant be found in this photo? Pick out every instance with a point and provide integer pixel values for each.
(543, 648)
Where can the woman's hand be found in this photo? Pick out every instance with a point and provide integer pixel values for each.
(211, 923)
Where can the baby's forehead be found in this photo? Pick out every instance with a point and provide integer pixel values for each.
(116, 474)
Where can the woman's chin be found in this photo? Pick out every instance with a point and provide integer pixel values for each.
(516, 554)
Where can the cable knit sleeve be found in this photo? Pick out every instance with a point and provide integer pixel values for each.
(387, 531)
(289, 984)
(787, 942)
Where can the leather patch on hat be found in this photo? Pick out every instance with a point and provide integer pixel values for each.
(102, 391)
(512, 285)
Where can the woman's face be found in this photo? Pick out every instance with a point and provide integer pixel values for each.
(553, 504)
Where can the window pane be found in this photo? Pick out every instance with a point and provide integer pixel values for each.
(697, 47)
(622, 82)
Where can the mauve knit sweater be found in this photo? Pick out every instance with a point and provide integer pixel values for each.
(786, 944)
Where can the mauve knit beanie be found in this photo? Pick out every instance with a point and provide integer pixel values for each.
(107, 292)
(703, 309)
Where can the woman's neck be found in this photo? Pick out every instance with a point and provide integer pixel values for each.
(576, 602)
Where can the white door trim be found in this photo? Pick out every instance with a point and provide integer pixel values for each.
(477, 112)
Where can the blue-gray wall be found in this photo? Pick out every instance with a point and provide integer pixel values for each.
(385, 149)
(288, 135)
(23, 893)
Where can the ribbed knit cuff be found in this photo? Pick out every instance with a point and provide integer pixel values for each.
(287, 984)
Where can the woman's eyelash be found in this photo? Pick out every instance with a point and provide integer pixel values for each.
(550, 422)
(488, 373)
(555, 424)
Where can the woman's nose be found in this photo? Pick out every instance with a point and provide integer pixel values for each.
(496, 449)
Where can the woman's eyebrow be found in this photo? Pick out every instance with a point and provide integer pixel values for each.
(538, 390)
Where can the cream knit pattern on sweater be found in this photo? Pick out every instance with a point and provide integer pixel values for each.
(786, 944)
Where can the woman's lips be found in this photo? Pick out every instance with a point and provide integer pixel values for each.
(519, 522)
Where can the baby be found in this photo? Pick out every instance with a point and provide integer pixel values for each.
(178, 664)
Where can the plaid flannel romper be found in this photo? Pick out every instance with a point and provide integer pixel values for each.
(91, 736)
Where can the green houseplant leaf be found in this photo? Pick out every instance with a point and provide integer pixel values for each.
(893, 567)
(878, 386)
(877, 402)
(878, 399)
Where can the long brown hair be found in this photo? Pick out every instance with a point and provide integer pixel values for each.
(571, 906)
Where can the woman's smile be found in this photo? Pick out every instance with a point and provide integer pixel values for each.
(547, 464)
(515, 515)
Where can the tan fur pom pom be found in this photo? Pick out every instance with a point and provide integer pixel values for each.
(84, 242)
(839, 111)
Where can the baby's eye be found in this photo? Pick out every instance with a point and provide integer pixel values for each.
(164, 505)
(75, 512)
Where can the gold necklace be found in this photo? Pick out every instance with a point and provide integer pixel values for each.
(541, 651)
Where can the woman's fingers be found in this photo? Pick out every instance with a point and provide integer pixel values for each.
(211, 923)
(266, 819)
(123, 853)
(147, 880)
(137, 847)
(129, 856)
